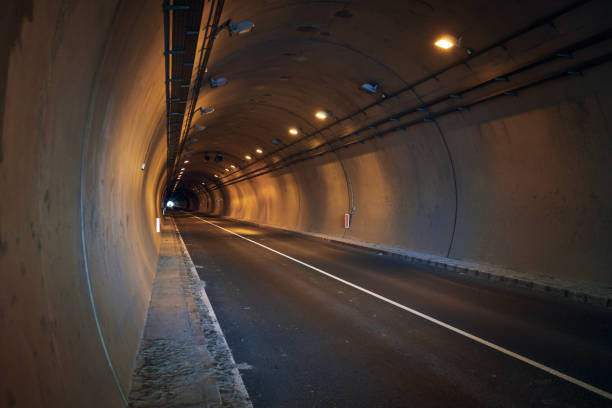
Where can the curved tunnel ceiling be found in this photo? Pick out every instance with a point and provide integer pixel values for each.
(306, 56)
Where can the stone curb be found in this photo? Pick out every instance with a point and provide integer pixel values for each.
(232, 390)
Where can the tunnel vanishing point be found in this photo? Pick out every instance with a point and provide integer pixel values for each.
(472, 132)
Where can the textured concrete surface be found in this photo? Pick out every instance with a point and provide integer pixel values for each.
(173, 366)
(82, 99)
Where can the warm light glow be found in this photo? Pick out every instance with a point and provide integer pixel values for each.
(232, 166)
(186, 161)
(216, 175)
(170, 204)
(321, 115)
(446, 42)
(248, 157)
(183, 169)
(259, 151)
(226, 169)
(293, 131)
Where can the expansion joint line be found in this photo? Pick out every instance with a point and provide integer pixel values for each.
(82, 187)
(453, 173)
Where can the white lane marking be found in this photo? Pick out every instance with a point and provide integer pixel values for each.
(470, 336)
(244, 366)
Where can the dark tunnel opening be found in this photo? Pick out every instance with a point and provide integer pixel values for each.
(184, 200)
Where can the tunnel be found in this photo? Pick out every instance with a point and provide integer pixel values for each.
(470, 140)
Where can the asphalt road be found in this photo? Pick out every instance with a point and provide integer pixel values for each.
(304, 339)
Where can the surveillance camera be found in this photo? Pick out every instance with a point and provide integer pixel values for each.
(206, 111)
(242, 27)
(217, 82)
(370, 87)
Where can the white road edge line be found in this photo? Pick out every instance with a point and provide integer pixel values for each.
(237, 378)
(470, 336)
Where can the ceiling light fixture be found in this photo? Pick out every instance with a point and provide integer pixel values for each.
(322, 115)
(259, 151)
(216, 175)
(183, 169)
(294, 131)
(232, 166)
(447, 42)
(186, 161)
(248, 157)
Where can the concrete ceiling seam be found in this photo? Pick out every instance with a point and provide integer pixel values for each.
(267, 44)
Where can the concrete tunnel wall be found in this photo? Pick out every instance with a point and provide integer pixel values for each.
(533, 185)
(83, 107)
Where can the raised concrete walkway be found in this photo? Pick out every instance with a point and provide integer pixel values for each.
(183, 359)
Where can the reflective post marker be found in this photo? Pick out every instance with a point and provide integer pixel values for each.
(157, 225)
(347, 221)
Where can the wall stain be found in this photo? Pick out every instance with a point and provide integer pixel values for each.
(47, 200)
(11, 19)
(10, 398)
